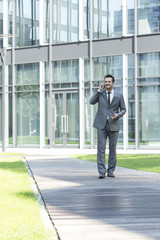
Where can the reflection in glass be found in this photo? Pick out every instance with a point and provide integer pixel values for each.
(107, 65)
(130, 16)
(27, 74)
(0, 104)
(107, 18)
(149, 119)
(65, 21)
(10, 118)
(1, 7)
(131, 69)
(28, 130)
(1, 75)
(87, 117)
(46, 21)
(131, 100)
(86, 70)
(149, 96)
(148, 16)
(86, 17)
(10, 21)
(58, 118)
(120, 136)
(0, 118)
(10, 74)
(149, 65)
(131, 115)
(66, 71)
(1, 22)
(27, 22)
(10, 105)
(27, 103)
(66, 118)
(72, 118)
(87, 113)
(46, 80)
(47, 125)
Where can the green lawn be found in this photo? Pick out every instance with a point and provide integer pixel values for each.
(144, 162)
(20, 212)
(28, 140)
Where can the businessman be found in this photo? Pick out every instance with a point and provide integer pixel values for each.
(111, 107)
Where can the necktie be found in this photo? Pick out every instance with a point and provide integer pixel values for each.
(109, 98)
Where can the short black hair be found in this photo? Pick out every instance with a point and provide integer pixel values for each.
(109, 76)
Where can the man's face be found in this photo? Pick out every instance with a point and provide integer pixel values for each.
(108, 83)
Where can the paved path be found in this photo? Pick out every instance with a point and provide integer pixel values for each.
(84, 207)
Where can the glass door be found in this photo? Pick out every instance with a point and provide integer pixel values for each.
(58, 118)
(66, 119)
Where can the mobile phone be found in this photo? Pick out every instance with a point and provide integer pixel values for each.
(102, 85)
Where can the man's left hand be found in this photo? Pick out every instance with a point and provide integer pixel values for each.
(115, 116)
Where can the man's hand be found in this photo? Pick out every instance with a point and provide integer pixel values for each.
(115, 116)
(101, 87)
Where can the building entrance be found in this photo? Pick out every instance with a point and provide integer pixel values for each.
(66, 118)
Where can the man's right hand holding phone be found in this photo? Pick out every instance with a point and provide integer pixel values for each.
(101, 87)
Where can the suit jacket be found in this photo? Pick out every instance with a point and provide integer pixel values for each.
(117, 106)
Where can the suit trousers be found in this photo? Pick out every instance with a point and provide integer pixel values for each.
(102, 135)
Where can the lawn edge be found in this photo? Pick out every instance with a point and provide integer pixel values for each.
(47, 220)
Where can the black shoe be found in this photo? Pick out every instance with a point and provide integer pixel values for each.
(101, 175)
(110, 175)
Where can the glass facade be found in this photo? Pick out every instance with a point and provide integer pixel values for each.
(107, 18)
(1, 22)
(131, 100)
(66, 116)
(66, 102)
(52, 68)
(46, 16)
(27, 104)
(27, 22)
(149, 97)
(65, 73)
(130, 17)
(1, 118)
(65, 21)
(148, 16)
(149, 119)
(87, 110)
(86, 19)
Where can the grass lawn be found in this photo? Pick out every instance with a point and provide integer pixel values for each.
(20, 212)
(28, 140)
(143, 162)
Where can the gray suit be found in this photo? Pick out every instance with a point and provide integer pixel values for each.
(108, 127)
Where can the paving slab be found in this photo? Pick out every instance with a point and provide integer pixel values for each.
(84, 207)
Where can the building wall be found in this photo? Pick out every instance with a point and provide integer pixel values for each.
(57, 55)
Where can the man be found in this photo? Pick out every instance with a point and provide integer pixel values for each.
(111, 107)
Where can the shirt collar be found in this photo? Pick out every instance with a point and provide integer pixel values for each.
(110, 91)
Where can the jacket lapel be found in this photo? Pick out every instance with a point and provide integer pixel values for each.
(113, 97)
(105, 95)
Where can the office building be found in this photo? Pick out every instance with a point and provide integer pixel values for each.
(54, 55)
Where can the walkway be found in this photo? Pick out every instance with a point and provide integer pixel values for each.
(84, 207)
